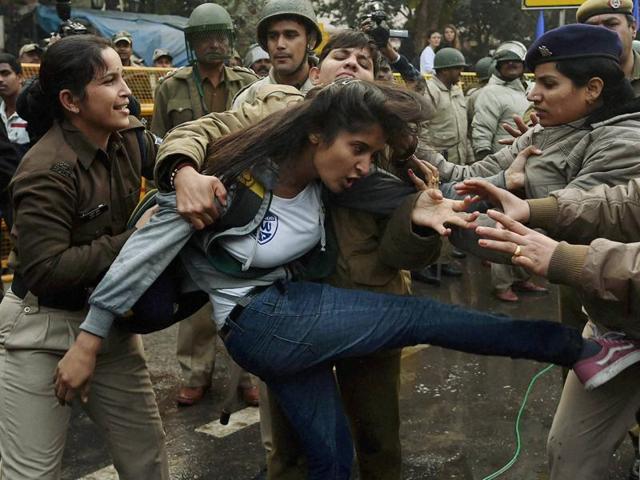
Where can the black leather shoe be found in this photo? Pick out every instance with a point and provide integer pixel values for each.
(427, 275)
(451, 270)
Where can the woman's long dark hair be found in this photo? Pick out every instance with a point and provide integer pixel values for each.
(617, 95)
(70, 63)
(345, 105)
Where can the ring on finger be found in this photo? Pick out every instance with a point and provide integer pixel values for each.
(518, 251)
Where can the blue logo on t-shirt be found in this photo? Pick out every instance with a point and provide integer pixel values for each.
(268, 228)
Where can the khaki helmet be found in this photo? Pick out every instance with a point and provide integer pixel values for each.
(295, 8)
(449, 57)
(484, 68)
(511, 50)
(209, 18)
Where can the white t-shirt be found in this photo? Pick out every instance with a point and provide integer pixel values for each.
(291, 228)
(426, 60)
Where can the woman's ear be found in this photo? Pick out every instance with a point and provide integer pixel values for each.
(594, 88)
(314, 138)
(68, 101)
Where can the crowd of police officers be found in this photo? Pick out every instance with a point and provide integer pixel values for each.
(464, 127)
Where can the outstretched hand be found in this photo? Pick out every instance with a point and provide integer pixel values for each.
(430, 173)
(521, 128)
(513, 206)
(529, 249)
(434, 211)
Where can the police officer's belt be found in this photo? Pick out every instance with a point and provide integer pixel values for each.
(72, 300)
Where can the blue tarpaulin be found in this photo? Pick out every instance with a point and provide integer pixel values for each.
(149, 31)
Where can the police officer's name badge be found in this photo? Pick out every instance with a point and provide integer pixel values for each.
(544, 51)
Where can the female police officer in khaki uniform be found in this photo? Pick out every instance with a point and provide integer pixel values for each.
(72, 196)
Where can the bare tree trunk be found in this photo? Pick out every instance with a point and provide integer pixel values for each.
(427, 18)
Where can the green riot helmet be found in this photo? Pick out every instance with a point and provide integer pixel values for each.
(483, 68)
(449, 58)
(289, 8)
(511, 50)
(209, 21)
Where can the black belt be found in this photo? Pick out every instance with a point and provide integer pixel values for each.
(72, 300)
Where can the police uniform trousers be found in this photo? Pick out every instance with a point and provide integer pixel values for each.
(33, 425)
(589, 426)
(504, 276)
(196, 349)
(369, 387)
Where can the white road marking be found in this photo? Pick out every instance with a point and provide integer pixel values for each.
(408, 351)
(106, 473)
(239, 420)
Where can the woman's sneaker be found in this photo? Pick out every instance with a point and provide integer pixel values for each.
(617, 353)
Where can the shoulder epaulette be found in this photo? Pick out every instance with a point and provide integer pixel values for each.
(244, 70)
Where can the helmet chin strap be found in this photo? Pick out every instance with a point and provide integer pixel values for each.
(304, 61)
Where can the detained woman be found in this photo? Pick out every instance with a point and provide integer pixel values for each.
(274, 182)
(73, 194)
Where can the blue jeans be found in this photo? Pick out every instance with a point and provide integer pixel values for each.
(290, 334)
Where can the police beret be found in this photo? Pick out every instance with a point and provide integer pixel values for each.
(597, 7)
(574, 41)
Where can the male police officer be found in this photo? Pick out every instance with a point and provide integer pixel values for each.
(162, 58)
(446, 131)
(616, 15)
(483, 74)
(504, 96)
(123, 43)
(186, 94)
(288, 31)
(258, 60)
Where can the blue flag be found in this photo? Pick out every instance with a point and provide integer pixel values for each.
(540, 24)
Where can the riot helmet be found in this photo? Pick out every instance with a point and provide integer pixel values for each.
(449, 57)
(209, 21)
(483, 68)
(302, 9)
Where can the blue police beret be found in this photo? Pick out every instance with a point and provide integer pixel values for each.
(574, 41)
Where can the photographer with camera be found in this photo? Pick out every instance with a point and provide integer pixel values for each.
(375, 25)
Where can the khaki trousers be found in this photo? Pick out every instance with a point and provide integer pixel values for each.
(369, 387)
(504, 276)
(589, 426)
(33, 425)
(196, 349)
